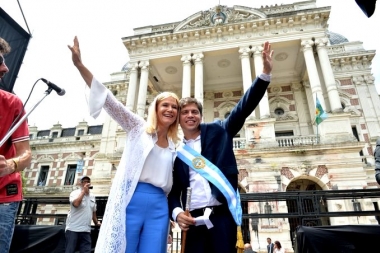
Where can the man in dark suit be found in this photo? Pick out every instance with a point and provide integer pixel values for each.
(270, 245)
(215, 142)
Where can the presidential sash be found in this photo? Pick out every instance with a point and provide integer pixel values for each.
(212, 173)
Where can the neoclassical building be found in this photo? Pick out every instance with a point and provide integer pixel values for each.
(213, 55)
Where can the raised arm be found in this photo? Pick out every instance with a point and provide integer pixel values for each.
(100, 97)
(267, 58)
(252, 96)
(77, 60)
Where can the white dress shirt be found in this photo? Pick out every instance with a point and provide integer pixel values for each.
(200, 188)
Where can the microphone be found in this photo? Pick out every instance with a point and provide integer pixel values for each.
(59, 91)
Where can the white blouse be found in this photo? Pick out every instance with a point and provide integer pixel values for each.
(157, 169)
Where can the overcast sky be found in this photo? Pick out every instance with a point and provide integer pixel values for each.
(101, 24)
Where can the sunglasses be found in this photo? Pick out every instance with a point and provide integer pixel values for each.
(2, 60)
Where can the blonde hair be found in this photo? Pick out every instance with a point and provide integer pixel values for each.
(152, 116)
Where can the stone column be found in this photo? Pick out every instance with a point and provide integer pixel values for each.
(328, 75)
(198, 82)
(264, 102)
(131, 96)
(141, 102)
(245, 67)
(315, 84)
(186, 76)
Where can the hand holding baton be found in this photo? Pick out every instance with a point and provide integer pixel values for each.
(184, 233)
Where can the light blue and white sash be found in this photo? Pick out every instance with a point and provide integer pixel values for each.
(212, 173)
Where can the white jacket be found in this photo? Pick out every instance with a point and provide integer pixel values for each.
(139, 143)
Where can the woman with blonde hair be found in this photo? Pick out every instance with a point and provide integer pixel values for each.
(136, 218)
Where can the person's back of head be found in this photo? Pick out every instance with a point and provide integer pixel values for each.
(248, 248)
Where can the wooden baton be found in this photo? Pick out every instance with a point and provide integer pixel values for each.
(187, 210)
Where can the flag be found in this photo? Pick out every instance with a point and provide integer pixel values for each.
(320, 114)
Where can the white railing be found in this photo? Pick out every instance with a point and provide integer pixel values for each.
(239, 143)
(285, 141)
(290, 141)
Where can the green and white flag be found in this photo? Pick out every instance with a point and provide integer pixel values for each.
(320, 114)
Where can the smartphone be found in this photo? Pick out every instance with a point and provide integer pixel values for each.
(91, 187)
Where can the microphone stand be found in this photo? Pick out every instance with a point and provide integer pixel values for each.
(14, 128)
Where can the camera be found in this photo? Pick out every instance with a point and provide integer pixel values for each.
(91, 187)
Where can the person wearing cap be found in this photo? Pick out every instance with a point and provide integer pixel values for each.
(136, 219)
(15, 155)
(78, 223)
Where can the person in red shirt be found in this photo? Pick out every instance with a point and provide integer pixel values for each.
(15, 156)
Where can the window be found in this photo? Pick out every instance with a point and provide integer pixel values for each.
(284, 133)
(31, 136)
(70, 174)
(81, 132)
(279, 111)
(54, 135)
(43, 176)
(355, 133)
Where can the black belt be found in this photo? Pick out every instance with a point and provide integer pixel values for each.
(216, 210)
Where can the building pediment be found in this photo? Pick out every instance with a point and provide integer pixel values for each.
(45, 158)
(219, 15)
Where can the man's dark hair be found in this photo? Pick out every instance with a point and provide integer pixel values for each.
(188, 100)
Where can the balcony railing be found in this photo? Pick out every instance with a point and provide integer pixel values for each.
(290, 141)
(285, 141)
(239, 143)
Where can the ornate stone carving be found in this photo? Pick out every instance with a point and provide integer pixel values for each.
(257, 50)
(321, 42)
(209, 95)
(275, 89)
(352, 110)
(358, 80)
(281, 56)
(336, 49)
(286, 117)
(45, 158)
(369, 79)
(227, 94)
(307, 45)
(276, 9)
(219, 15)
(297, 86)
(244, 52)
